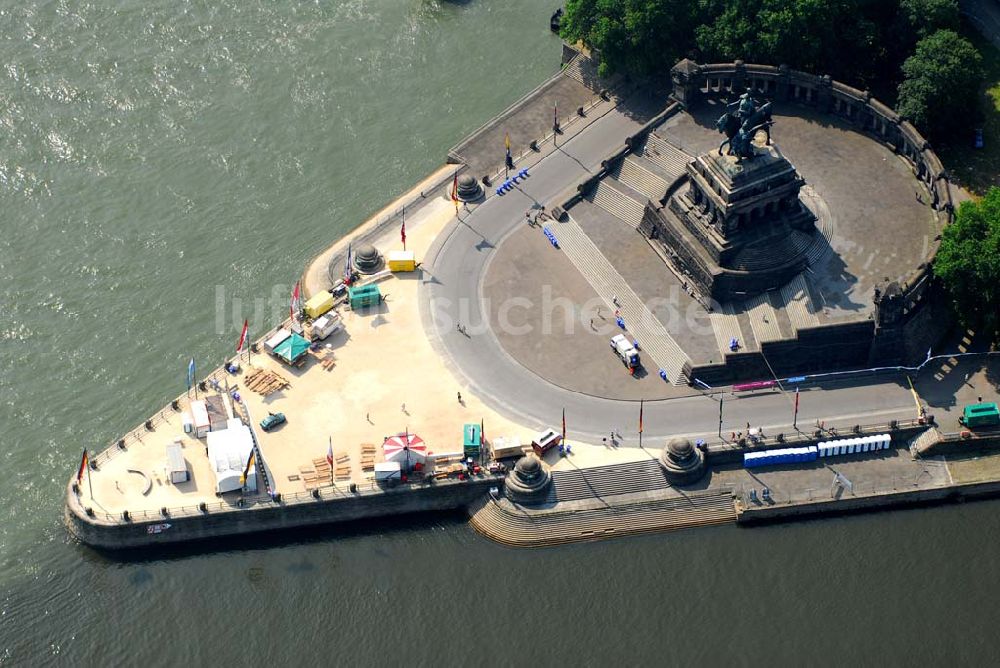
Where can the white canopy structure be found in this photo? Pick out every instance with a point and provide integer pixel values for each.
(228, 452)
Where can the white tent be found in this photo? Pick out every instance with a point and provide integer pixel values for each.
(228, 452)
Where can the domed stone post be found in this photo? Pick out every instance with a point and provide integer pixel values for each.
(367, 259)
(468, 189)
(529, 481)
(682, 463)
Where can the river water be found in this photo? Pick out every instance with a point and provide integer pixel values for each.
(158, 159)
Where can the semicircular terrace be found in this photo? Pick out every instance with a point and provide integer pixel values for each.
(880, 196)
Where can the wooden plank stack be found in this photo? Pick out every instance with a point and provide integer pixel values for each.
(315, 476)
(265, 381)
(326, 359)
(367, 457)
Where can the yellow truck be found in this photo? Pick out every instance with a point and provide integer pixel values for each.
(401, 261)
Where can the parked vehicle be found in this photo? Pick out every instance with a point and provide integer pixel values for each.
(626, 351)
(272, 420)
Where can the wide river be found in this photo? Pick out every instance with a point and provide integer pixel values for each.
(161, 160)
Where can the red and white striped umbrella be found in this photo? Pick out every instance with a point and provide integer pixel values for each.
(399, 447)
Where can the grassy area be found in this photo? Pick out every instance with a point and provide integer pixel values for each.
(978, 169)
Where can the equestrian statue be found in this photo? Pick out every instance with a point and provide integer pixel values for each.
(741, 123)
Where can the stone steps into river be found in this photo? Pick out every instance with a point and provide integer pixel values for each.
(512, 525)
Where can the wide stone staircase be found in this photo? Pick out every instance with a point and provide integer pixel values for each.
(672, 160)
(618, 204)
(655, 341)
(511, 525)
(772, 251)
(605, 481)
(584, 70)
(640, 178)
(798, 304)
(763, 318)
(726, 327)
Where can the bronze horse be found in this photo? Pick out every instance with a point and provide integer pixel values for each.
(739, 136)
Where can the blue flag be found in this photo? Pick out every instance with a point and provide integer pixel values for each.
(190, 373)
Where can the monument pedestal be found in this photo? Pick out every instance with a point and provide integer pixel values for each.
(738, 227)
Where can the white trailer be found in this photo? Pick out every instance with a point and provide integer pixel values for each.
(325, 325)
(176, 466)
(386, 471)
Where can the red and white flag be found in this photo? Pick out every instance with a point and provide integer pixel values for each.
(402, 234)
(329, 453)
(296, 304)
(243, 338)
(454, 192)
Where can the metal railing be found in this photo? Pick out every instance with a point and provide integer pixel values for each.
(330, 493)
(919, 480)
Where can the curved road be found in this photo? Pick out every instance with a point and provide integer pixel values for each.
(451, 293)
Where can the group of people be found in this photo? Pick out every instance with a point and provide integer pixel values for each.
(539, 215)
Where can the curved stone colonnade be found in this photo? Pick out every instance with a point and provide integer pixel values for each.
(692, 81)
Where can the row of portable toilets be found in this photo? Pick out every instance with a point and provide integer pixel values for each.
(844, 446)
(850, 446)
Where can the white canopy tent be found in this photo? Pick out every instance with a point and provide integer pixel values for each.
(228, 452)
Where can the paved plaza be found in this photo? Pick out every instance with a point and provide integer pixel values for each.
(874, 225)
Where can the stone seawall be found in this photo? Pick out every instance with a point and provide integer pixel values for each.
(106, 532)
(944, 494)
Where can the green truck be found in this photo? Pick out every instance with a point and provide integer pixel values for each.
(980, 415)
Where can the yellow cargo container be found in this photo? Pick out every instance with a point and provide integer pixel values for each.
(401, 261)
(319, 304)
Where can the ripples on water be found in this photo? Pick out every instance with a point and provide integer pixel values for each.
(151, 151)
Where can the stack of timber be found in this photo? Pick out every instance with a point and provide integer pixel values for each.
(367, 457)
(265, 381)
(315, 476)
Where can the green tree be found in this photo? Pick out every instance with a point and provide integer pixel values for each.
(837, 37)
(968, 260)
(921, 18)
(941, 83)
(634, 36)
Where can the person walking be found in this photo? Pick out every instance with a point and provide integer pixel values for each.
(459, 397)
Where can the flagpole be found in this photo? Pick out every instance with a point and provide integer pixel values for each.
(795, 418)
(640, 422)
(721, 398)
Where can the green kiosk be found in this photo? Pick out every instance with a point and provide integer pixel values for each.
(472, 440)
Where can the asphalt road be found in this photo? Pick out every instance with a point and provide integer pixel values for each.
(457, 263)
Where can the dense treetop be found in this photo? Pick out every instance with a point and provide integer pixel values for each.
(968, 261)
(862, 42)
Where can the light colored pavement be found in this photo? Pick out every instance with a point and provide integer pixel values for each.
(456, 264)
